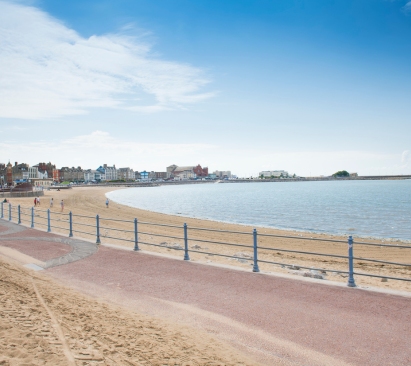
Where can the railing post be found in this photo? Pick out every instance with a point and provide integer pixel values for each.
(32, 217)
(98, 229)
(135, 236)
(71, 224)
(255, 266)
(9, 211)
(48, 221)
(351, 282)
(18, 215)
(186, 257)
(2, 212)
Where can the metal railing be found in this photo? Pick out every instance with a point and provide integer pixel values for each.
(91, 226)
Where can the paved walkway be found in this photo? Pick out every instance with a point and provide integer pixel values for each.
(276, 320)
(53, 250)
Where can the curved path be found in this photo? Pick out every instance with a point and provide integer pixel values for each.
(39, 245)
(275, 320)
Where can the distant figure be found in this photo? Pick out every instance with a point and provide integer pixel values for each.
(35, 201)
(107, 202)
(51, 202)
(5, 200)
(38, 201)
(62, 205)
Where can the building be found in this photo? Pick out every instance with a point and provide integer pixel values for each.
(109, 172)
(42, 182)
(223, 174)
(91, 175)
(125, 174)
(19, 172)
(71, 174)
(160, 175)
(186, 172)
(144, 176)
(49, 167)
(273, 174)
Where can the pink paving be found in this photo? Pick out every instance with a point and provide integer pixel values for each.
(351, 326)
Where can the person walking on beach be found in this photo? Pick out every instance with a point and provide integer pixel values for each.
(38, 201)
(51, 202)
(35, 201)
(62, 205)
(107, 202)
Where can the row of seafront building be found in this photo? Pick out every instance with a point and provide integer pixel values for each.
(46, 174)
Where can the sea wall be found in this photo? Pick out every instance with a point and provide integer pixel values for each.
(22, 194)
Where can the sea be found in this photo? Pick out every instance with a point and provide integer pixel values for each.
(367, 209)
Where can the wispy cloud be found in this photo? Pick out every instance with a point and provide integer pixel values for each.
(407, 8)
(48, 70)
(91, 150)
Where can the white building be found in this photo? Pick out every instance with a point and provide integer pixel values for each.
(273, 173)
(109, 172)
(125, 173)
(222, 174)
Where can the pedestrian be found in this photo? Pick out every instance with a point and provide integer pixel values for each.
(51, 202)
(62, 205)
(107, 202)
(38, 201)
(35, 201)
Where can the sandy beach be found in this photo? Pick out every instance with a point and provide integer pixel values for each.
(86, 202)
(45, 323)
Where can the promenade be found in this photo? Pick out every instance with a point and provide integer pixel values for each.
(272, 319)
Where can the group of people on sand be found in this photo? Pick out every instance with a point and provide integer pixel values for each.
(37, 203)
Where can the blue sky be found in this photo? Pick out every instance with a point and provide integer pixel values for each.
(311, 87)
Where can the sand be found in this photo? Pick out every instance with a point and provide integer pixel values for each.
(86, 202)
(45, 323)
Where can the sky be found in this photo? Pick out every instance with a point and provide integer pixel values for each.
(307, 86)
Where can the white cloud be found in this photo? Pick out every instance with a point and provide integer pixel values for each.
(407, 7)
(98, 147)
(406, 158)
(48, 70)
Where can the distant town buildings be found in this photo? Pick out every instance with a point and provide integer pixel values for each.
(223, 174)
(273, 174)
(45, 174)
(186, 172)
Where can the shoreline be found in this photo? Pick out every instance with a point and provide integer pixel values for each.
(90, 201)
(251, 226)
(290, 230)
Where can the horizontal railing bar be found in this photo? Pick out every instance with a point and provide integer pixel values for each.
(303, 238)
(112, 228)
(383, 245)
(110, 237)
(312, 253)
(59, 227)
(118, 220)
(83, 232)
(297, 265)
(52, 219)
(220, 231)
(165, 225)
(81, 224)
(222, 243)
(158, 245)
(381, 261)
(160, 235)
(220, 255)
(89, 217)
(380, 276)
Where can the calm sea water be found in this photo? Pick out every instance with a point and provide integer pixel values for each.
(359, 208)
